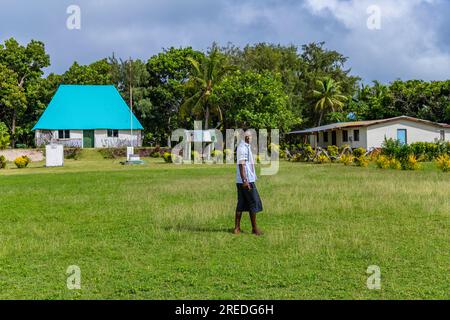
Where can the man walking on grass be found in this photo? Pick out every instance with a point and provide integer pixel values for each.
(248, 197)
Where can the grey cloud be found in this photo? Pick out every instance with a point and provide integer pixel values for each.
(412, 44)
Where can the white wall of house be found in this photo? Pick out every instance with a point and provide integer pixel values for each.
(416, 132)
(101, 138)
(103, 141)
(362, 143)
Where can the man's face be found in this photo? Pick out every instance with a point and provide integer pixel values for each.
(248, 138)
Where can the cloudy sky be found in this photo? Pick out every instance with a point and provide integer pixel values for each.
(413, 41)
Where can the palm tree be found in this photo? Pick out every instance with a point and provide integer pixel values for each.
(206, 74)
(328, 97)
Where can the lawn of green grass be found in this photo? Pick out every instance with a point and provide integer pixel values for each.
(161, 231)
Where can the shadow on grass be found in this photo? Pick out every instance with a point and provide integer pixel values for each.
(198, 229)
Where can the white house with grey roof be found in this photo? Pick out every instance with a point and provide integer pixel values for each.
(371, 134)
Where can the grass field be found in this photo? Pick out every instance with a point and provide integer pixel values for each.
(162, 231)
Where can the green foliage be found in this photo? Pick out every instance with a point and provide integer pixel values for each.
(359, 152)
(410, 163)
(347, 159)
(206, 74)
(97, 73)
(167, 156)
(2, 162)
(328, 97)
(383, 162)
(253, 100)
(395, 164)
(443, 163)
(22, 162)
(322, 158)
(4, 136)
(361, 161)
(113, 153)
(259, 86)
(72, 153)
(333, 151)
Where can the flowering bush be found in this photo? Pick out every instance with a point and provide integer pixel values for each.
(359, 152)
(333, 151)
(362, 161)
(167, 157)
(395, 164)
(383, 162)
(322, 159)
(411, 163)
(22, 162)
(443, 163)
(347, 159)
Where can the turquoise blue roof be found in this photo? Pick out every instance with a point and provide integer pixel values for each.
(76, 107)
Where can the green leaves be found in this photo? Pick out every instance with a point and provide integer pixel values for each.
(254, 100)
(4, 136)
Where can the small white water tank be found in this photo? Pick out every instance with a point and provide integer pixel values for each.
(54, 155)
(130, 151)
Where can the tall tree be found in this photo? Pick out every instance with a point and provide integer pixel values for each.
(27, 63)
(254, 100)
(206, 74)
(328, 97)
(97, 73)
(168, 72)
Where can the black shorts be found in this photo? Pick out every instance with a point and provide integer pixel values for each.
(248, 200)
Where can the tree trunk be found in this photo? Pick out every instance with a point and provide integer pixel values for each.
(320, 118)
(13, 129)
(207, 118)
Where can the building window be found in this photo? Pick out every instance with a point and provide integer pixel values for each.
(356, 135)
(113, 133)
(345, 136)
(402, 136)
(442, 135)
(63, 134)
(325, 137)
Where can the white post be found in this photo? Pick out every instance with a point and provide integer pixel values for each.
(131, 105)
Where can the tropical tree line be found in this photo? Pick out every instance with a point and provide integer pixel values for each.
(258, 86)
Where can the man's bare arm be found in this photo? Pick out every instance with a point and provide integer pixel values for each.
(243, 175)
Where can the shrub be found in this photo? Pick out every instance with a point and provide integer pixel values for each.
(297, 158)
(2, 162)
(333, 151)
(167, 156)
(343, 147)
(72, 153)
(113, 153)
(443, 163)
(383, 162)
(347, 159)
(322, 159)
(4, 136)
(410, 163)
(217, 155)
(309, 151)
(359, 152)
(391, 147)
(22, 162)
(362, 161)
(395, 164)
(155, 155)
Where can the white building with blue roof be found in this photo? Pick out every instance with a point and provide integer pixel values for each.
(88, 116)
